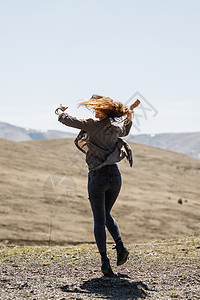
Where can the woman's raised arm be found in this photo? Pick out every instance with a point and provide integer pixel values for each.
(83, 124)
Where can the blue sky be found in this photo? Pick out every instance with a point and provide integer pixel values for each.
(64, 51)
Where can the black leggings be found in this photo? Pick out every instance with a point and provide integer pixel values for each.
(103, 188)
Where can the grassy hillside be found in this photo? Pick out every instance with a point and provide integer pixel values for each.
(161, 270)
(43, 195)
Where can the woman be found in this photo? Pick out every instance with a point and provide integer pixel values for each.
(100, 141)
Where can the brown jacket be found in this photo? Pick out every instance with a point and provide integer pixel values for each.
(99, 140)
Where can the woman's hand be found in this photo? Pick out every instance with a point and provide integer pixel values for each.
(130, 115)
(60, 109)
(134, 105)
(63, 107)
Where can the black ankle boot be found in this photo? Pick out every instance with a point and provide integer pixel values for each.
(122, 254)
(105, 267)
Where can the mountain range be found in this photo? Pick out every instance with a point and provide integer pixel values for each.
(21, 134)
(186, 143)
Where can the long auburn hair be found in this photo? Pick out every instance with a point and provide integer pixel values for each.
(105, 106)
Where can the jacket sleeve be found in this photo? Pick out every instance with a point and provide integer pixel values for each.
(83, 124)
(125, 129)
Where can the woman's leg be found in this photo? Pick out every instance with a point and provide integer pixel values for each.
(96, 192)
(110, 197)
(97, 201)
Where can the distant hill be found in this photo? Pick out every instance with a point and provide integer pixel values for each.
(19, 134)
(186, 143)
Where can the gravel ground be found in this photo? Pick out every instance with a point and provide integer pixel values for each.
(157, 270)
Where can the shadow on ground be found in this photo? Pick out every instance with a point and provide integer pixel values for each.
(110, 287)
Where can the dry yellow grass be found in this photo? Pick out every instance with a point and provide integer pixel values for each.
(147, 207)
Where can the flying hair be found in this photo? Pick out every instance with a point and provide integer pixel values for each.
(105, 106)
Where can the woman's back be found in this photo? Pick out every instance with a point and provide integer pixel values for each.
(99, 140)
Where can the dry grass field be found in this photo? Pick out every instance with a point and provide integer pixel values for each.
(43, 194)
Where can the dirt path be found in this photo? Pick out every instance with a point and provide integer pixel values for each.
(157, 270)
